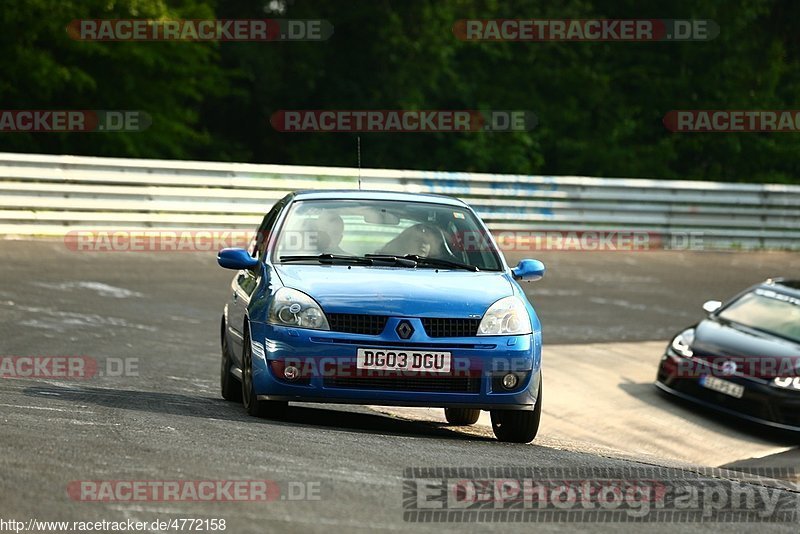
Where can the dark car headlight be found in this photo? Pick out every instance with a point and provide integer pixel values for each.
(682, 344)
(290, 307)
(787, 382)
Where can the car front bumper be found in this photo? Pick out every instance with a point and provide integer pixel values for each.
(477, 364)
(761, 402)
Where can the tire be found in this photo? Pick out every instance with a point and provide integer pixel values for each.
(229, 386)
(461, 416)
(518, 426)
(254, 406)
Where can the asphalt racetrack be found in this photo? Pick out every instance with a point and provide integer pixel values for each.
(606, 319)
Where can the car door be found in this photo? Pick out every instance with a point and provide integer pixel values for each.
(246, 281)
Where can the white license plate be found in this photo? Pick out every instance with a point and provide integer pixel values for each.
(722, 386)
(404, 360)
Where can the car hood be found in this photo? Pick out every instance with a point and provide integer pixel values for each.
(714, 338)
(399, 292)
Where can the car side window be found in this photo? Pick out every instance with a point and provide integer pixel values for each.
(264, 231)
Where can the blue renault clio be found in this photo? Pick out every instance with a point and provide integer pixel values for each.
(382, 298)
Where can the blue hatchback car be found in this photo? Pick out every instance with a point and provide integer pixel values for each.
(382, 298)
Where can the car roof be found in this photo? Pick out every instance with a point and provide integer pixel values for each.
(368, 194)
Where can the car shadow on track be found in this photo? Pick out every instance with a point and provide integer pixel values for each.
(371, 422)
(648, 393)
(345, 419)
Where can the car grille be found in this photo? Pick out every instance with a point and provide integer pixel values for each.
(373, 325)
(790, 414)
(436, 327)
(753, 405)
(442, 385)
(445, 384)
(353, 323)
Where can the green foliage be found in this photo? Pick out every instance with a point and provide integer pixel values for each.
(600, 105)
(43, 68)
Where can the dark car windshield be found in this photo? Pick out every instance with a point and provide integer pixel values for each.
(768, 311)
(363, 227)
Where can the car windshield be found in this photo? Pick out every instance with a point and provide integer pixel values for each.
(768, 311)
(363, 227)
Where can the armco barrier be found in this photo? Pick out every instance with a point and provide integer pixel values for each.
(52, 195)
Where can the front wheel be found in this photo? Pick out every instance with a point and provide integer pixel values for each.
(461, 416)
(254, 406)
(230, 388)
(517, 426)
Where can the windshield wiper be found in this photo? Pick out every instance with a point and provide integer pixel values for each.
(409, 260)
(397, 260)
(425, 260)
(330, 258)
(369, 259)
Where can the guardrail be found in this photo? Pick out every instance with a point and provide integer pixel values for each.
(53, 195)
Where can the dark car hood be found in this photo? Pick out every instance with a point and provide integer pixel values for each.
(713, 338)
(391, 291)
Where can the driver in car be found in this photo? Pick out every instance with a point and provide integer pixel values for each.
(420, 239)
(330, 230)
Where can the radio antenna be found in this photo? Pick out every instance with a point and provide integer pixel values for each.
(359, 162)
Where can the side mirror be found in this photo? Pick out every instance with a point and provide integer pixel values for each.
(236, 258)
(528, 270)
(710, 306)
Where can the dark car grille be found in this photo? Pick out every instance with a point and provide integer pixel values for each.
(436, 327)
(753, 404)
(445, 384)
(790, 417)
(790, 413)
(373, 325)
(353, 323)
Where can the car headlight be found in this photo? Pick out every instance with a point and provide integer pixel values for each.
(507, 316)
(682, 344)
(787, 382)
(291, 307)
